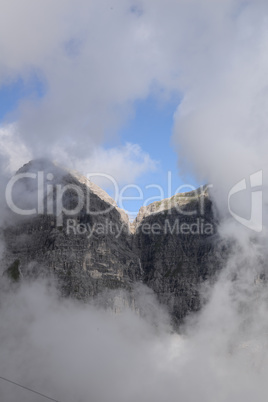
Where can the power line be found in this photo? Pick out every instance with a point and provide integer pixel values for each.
(28, 389)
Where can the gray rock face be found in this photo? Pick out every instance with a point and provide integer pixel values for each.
(179, 250)
(172, 246)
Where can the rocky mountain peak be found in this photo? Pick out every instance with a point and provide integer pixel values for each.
(172, 247)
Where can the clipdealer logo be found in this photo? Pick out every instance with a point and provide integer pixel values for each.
(45, 191)
(255, 221)
(47, 196)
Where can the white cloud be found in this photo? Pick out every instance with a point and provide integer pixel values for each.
(221, 125)
(13, 151)
(125, 164)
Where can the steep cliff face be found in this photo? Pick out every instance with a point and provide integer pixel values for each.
(178, 246)
(172, 246)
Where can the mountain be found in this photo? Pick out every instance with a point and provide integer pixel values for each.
(81, 238)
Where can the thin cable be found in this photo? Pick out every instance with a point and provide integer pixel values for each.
(28, 389)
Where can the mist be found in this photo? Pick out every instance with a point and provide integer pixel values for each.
(72, 351)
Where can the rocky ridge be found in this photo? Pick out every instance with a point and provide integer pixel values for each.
(172, 246)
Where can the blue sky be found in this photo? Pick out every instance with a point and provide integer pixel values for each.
(11, 94)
